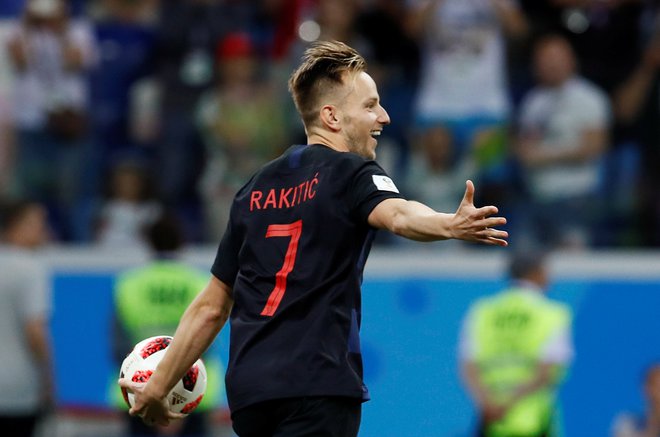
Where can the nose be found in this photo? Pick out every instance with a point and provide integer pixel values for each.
(383, 117)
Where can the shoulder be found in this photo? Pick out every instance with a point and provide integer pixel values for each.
(19, 262)
(24, 271)
(589, 91)
(561, 310)
(13, 28)
(300, 156)
(127, 277)
(81, 29)
(533, 99)
(482, 304)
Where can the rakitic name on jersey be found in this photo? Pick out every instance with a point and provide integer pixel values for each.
(279, 198)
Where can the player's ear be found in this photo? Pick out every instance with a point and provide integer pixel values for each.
(330, 117)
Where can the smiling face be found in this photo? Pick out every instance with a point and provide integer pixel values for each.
(362, 116)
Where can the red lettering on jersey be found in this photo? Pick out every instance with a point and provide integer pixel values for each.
(301, 190)
(271, 199)
(255, 197)
(284, 198)
(311, 192)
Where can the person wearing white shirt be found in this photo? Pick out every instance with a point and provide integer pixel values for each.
(563, 133)
(26, 382)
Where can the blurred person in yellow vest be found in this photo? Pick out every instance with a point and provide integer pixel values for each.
(514, 350)
(149, 300)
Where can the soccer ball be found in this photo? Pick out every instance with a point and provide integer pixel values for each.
(141, 362)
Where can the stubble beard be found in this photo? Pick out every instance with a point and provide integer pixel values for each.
(360, 147)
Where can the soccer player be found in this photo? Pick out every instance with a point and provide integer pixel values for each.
(289, 267)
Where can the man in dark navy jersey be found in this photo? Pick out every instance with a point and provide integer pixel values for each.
(289, 267)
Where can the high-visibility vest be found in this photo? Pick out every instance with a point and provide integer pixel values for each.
(510, 331)
(150, 301)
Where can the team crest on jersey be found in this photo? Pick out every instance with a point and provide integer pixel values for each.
(383, 183)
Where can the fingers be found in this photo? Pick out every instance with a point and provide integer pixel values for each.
(135, 411)
(491, 222)
(468, 197)
(497, 240)
(151, 414)
(486, 211)
(175, 416)
(493, 237)
(125, 383)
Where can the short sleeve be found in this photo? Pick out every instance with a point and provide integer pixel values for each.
(370, 186)
(559, 348)
(35, 295)
(595, 109)
(82, 36)
(466, 343)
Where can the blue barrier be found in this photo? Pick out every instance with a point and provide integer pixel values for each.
(409, 333)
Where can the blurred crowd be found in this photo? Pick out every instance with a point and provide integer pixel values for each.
(114, 110)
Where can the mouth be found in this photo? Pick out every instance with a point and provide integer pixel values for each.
(375, 133)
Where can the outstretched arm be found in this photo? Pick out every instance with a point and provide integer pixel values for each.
(416, 221)
(197, 329)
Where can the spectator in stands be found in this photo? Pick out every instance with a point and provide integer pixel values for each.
(434, 177)
(125, 34)
(515, 347)
(604, 34)
(463, 98)
(606, 39)
(636, 106)
(647, 423)
(7, 148)
(241, 123)
(563, 134)
(51, 55)
(129, 208)
(394, 62)
(188, 32)
(26, 381)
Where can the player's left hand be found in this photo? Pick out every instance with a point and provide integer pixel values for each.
(152, 409)
(476, 224)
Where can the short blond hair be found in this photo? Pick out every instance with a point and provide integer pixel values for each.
(320, 72)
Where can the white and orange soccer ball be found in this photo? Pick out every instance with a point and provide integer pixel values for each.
(141, 362)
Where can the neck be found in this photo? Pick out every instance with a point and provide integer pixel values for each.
(328, 139)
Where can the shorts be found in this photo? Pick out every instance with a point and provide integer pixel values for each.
(329, 416)
(18, 426)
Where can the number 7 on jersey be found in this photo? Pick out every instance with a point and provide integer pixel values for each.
(292, 230)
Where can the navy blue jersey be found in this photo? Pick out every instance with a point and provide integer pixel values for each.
(294, 252)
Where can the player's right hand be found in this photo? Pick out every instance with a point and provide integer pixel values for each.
(477, 224)
(152, 409)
